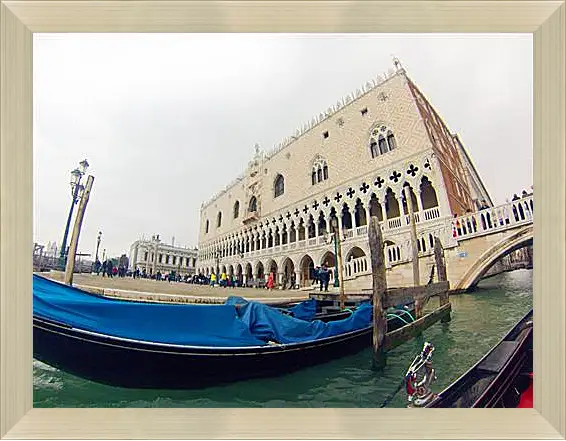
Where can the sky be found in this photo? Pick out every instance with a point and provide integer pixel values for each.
(168, 120)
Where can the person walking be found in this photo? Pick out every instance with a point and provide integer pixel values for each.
(324, 276)
(270, 281)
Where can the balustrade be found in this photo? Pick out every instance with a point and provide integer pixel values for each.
(356, 267)
(394, 223)
(494, 218)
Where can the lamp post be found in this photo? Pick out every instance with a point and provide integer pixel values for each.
(334, 224)
(340, 268)
(76, 188)
(98, 245)
(217, 257)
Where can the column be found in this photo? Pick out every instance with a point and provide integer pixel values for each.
(419, 202)
(384, 213)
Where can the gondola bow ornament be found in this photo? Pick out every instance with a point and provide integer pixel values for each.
(419, 378)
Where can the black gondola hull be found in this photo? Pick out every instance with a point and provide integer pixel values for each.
(498, 379)
(132, 364)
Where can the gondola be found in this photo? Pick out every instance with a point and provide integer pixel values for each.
(502, 378)
(160, 346)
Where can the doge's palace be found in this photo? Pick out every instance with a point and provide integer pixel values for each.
(348, 163)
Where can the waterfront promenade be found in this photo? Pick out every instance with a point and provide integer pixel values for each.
(146, 289)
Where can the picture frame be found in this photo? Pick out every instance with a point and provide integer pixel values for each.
(20, 19)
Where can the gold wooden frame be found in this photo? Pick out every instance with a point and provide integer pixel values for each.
(18, 19)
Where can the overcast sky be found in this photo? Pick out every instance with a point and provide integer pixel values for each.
(165, 121)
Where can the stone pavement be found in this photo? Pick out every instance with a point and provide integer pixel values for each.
(152, 290)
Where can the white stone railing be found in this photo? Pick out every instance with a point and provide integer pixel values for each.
(394, 223)
(464, 227)
(500, 218)
(357, 266)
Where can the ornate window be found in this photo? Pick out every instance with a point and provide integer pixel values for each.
(219, 219)
(279, 186)
(253, 204)
(236, 209)
(382, 140)
(319, 170)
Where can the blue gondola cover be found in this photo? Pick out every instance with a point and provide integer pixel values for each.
(237, 323)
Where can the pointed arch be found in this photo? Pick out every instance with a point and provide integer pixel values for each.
(236, 209)
(429, 198)
(252, 206)
(278, 186)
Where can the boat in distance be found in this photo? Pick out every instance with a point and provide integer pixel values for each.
(502, 378)
(162, 346)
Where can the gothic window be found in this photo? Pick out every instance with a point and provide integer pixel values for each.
(206, 228)
(382, 145)
(319, 170)
(253, 204)
(219, 220)
(391, 140)
(373, 149)
(236, 209)
(382, 140)
(279, 185)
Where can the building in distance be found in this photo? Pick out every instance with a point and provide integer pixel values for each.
(153, 255)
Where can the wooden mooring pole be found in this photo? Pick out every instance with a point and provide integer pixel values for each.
(379, 288)
(77, 231)
(441, 271)
(414, 246)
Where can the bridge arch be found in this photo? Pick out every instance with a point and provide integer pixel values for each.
(517, 240)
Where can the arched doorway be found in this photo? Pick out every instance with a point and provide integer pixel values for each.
(330, 260)
(307, 270)
(230, 270)
(260, 271)
(249, 272)
(288, 274)
(239, 276)
(272, 268)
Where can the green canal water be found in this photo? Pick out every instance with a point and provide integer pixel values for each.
(479, 320)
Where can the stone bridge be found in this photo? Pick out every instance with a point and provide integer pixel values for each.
(473, 243)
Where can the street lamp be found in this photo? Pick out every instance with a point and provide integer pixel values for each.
(98, 245)
(76, 190)
(217, 257)
(334, 224)
(339, 267)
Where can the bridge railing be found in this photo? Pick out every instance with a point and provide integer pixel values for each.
(492, 219)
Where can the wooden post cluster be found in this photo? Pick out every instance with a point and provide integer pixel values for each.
(420, 295)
